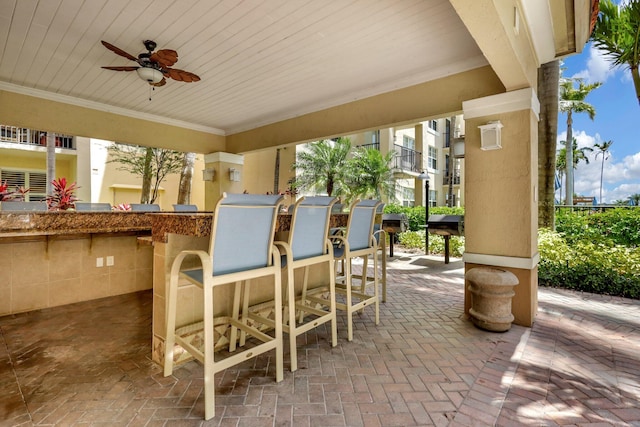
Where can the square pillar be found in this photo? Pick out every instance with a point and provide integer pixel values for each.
(222, 164)
(501, 214)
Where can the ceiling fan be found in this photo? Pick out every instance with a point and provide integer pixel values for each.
(153, 67)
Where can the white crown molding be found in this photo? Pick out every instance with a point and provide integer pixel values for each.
(65, 99)
(222, 157)
(522, 99)
(502, 261)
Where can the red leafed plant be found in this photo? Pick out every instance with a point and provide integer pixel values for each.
(62, 197)
(122, 207)
(16, 195)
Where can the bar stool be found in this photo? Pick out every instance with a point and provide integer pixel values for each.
(307, 245)
(241, 248)
(358, 241)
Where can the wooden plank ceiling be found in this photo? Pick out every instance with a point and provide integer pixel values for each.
(259, 61)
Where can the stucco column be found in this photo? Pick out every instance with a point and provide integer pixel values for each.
(222, 163)
(501, 216)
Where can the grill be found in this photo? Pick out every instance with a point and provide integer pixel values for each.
(446, 226)
(392, 224)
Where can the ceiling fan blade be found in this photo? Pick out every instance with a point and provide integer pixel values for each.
(165, 57)
(121, 68)
(181, 75)
(160, 83)
(118, 51)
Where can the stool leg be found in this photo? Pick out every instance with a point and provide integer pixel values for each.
(169, 342)
(209, 368)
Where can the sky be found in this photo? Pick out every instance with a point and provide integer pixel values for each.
(617, 118)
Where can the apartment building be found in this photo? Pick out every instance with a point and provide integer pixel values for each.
(431, 146)
(86, 161)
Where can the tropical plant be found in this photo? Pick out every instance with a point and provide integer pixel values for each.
(369, 174)
(617, 33)
(635, 199)
(604, 150)
(152, 164)
(62, 197)
(572, 100)
(321, 165)
(16, 195)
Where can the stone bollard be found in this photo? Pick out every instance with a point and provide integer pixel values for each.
(492, 290)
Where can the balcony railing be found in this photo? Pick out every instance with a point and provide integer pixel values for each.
(17, 135)
(456, 179)
(404, 158)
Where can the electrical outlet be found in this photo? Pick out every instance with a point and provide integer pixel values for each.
(99, 262)
(109, 261)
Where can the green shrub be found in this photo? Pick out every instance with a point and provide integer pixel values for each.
(590, 263)
(416, 240)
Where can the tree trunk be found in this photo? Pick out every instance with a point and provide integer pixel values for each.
(145, 197)
(186, 175)
(548, 78)
(569, 146)
(276, 173)
(636, 81)
(51, 161)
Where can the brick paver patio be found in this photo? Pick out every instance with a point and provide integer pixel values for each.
(425, 364)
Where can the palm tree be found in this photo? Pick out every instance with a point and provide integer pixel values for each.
(604, 150)
(321, 166)
(635, 199)
(548, 78)
(369, 174)
(577, 155)
(617, 32)
(572, 101)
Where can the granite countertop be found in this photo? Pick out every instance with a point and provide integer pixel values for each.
(199, 224)
(14, 224)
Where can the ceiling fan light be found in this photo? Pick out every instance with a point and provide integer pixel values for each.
(149, 75)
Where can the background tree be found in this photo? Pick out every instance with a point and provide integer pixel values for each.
(151, 164)
(321, 166)
(577, 155)
(186, 178)
(617, 33)
(604, 150)
(369, 174)
(548, 80)
(635, 199)
(572, 100)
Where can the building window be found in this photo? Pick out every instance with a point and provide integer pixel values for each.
(375, 137)
(36, 182)
(433, 125)
(433, 198)
(454, 200)
(408, 142)
(432, 160)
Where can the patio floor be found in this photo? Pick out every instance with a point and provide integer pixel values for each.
(425, 364)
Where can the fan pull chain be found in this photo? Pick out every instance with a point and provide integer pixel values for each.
(150, 89)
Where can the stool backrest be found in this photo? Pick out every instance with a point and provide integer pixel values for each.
(92, 207)
(242, 232)
(185, 208)
(145, 207)
(362, 215)
(310, 226)
(12, 206)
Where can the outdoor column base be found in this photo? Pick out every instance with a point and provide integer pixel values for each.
(492, 292)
